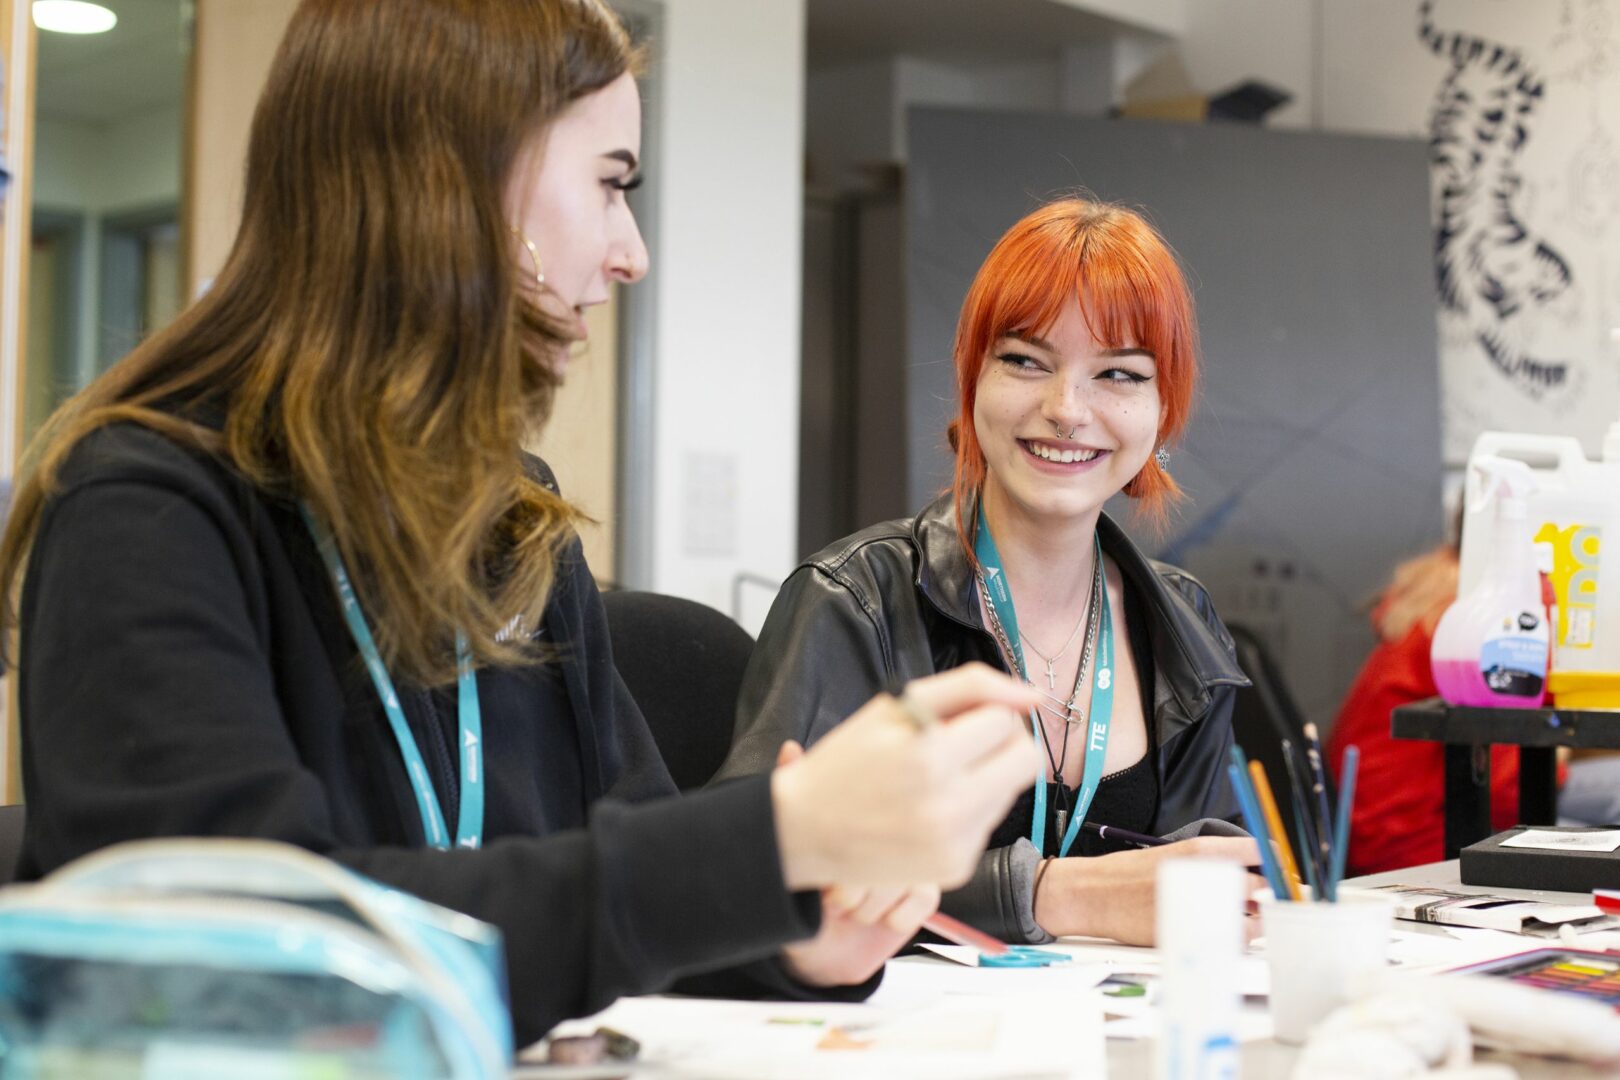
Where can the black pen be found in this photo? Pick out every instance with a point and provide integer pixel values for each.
(1110, 832)
(1141, 840)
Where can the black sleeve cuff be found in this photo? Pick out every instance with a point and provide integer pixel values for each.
(1000, 897)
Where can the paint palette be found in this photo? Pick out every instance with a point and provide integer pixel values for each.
(1592, 975)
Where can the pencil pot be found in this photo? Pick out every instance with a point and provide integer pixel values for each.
(1317, 952)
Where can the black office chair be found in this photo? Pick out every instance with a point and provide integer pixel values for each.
(1263, 715)
(684, 664)
(12, 819)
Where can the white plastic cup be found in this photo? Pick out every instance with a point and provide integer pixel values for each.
(1317, 953)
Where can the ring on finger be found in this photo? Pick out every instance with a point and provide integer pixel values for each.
(921, 716)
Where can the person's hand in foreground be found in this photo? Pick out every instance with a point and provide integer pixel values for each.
(860, 928)
(888, 798)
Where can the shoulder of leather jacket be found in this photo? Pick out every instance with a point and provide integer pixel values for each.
(1192, 652)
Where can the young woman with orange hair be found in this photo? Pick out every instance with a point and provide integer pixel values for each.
(1076, 359)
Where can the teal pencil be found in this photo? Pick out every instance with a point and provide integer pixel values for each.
(1257, 827)
(1341, 827)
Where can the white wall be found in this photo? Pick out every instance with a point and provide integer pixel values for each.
(65, 174)
(104, 168)
(1228, 41)
(727, 269)
(1364, 70)
(97, 170)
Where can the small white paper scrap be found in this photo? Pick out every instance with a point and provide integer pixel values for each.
(1548, 840)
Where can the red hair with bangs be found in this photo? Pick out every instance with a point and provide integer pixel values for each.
(1131, 292)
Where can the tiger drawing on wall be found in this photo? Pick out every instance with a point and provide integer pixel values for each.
(1493, 269)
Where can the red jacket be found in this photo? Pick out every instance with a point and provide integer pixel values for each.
(1398, 818)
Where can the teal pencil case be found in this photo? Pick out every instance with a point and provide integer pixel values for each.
(242, 958)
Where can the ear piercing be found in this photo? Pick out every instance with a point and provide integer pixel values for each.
(539, 274)
(1161, 457)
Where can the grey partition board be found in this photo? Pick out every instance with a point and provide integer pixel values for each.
(1312, 464)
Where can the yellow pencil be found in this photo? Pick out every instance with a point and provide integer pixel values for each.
(1268, 807)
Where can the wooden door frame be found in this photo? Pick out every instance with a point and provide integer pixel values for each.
(17, 50)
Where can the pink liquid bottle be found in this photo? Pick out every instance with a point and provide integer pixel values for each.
(1491, 646)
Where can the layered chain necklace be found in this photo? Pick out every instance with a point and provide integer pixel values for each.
(1072, 714)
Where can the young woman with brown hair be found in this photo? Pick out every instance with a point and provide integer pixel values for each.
(286, 572)
(1076, 359)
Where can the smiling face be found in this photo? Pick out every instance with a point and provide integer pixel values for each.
(1064, 420)
(567, 197)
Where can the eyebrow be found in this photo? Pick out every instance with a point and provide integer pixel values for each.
(1041, 343)
(1030, 339)
(623, 155)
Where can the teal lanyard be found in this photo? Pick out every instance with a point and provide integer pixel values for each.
(470, 824)
(999, 597)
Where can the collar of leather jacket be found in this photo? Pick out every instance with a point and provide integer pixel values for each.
(1192, 652)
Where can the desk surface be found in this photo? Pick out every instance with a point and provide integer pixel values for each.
(1265, 1059)
(1269, 1059)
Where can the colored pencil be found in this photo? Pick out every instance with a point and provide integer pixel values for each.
(1324, 830)
(1268, 807)
(960, 933)
(1314, 856)
(1341, 827)
(1256, 825)
(1314, 875)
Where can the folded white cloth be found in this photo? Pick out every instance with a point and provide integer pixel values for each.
(1427, 1025)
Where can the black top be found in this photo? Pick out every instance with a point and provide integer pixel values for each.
(186, 671)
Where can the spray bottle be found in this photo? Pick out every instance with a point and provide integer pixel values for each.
(1491, 646)
(1574, 519)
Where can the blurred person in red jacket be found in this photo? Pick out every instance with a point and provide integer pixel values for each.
(1398, 819)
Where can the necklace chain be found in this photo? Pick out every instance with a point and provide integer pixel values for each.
(1051, 661)
(999, 632)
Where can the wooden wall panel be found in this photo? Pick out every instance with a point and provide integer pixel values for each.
(234, 42)
(17, 106)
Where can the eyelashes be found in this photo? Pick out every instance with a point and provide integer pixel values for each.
(626, 184)
(1116, 375)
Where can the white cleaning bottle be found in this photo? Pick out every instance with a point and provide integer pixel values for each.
(1574, 517)
(1491, 646)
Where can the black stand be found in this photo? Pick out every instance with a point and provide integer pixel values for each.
(1468, 735)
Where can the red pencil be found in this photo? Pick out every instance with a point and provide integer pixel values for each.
(962, 934)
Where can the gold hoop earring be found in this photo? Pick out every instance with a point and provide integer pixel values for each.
(539, 274)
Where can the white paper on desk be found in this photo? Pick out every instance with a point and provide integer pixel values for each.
(1456, 946)
(1548, 840)
(917, 981)
(957, 1038)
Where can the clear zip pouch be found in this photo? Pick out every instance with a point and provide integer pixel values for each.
(244, 959)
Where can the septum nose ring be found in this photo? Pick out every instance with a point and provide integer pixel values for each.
(1062, 434)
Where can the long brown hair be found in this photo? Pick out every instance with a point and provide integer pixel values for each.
(367, 342)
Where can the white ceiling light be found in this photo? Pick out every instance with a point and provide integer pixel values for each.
(73, 17)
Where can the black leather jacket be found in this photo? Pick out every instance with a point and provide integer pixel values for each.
(898, 600)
